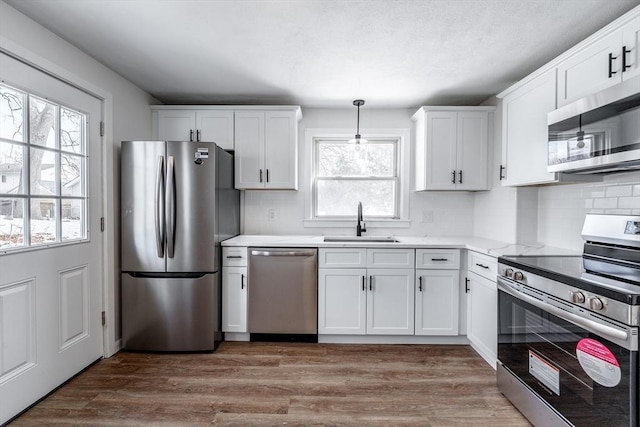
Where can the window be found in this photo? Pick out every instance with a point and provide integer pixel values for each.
(345, 174)
(43, 194)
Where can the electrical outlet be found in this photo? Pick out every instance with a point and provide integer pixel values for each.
(427, 217)
(272, 214)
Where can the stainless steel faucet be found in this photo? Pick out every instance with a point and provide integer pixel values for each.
(361, 227)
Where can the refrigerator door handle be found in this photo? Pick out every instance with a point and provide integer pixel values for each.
(159, 203)
(171, 201)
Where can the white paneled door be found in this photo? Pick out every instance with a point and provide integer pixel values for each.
(50, 260)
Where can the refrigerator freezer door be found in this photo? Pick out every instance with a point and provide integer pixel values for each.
(142, 183)
(191, 207)
(170, 314)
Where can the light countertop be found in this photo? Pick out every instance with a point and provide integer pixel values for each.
(485, 246)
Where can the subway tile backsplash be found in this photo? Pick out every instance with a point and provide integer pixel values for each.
(562, 208)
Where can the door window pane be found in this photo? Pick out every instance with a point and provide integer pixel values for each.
(73, 219)
(43, 221)
(11, 167)
(42, 172)
(11, 222)
(42, 122)
(12, 113)
(71, 131)
(71, 175)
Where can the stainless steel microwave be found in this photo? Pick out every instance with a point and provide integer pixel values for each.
(599, 133)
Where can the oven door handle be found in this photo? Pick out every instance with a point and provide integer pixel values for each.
(602, 330)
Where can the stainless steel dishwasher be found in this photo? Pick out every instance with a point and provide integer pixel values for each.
(283, 293)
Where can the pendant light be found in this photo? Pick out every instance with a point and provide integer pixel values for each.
(358, 140)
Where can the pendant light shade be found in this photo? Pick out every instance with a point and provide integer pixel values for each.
(358, 139)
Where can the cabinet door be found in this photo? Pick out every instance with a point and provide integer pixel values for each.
(249, 150)
(587, 71)
(390, 301)
(342, 301)
(525, 132)
(234, 299)
(482, 306)
(471, 151)
(216, 126)
(437, 302)
(441, 150)
(631, 41)
(281, 150)
(176, 125)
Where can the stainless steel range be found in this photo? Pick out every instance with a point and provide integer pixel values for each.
(568, 329)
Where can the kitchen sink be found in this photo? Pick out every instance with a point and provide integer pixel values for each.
(347, 239)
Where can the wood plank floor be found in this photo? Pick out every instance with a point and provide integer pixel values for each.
(260, 384)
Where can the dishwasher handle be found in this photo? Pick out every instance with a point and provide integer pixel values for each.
(283, 253)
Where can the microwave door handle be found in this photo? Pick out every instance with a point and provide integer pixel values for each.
(590, 325)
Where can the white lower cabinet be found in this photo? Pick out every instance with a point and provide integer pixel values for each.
(437, 302)
(353, 300)
(234, 289)
(342, 301)
(482, 306)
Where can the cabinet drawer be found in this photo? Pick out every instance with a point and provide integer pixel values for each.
(390, 258)
(234, 256)
(443, 259)
(342, 257)
(483, 265)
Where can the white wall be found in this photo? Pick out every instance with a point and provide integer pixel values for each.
(127, 112)
(452, 211)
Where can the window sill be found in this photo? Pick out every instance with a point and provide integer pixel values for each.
(342, 223)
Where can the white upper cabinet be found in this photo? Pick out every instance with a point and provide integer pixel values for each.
(195, 125)
(266, 148)
(451, 148)
(608, 59)
(524, 132)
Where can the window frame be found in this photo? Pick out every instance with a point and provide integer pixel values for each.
(402, 135)
(60, 198)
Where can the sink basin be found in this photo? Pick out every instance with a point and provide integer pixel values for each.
(373, 239)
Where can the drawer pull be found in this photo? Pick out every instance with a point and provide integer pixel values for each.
(242, 281)
(363, 286)
(234, 256)
(420, 285)
(482, 265)
(439, 259)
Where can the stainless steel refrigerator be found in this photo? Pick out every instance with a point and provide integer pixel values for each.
(178, 203)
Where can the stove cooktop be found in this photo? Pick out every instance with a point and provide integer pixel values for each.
(570, 270)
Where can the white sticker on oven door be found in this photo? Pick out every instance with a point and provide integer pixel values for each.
(598, 362)
(545, 372)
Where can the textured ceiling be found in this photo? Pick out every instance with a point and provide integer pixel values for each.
(324, 53)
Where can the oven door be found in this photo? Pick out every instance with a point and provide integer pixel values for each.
(570, 364)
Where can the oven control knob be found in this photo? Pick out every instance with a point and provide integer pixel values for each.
(518, 276)
(596, 303)
(578, 297)
(508, 272)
